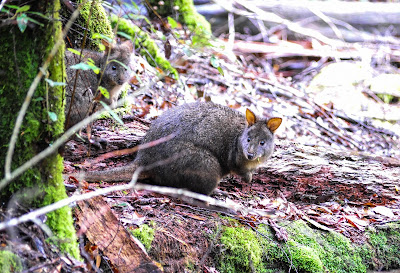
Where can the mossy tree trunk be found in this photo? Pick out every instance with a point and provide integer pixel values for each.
(187, 14)
(22, 54)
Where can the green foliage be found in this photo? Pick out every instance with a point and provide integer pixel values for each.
(21, 14)
(87, 66)
(145, 234)
(215, 63)
(104, 92)
(111, 112)
(386, 98)
(172, 22)
(9, 262)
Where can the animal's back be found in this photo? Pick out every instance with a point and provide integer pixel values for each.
(209, 126)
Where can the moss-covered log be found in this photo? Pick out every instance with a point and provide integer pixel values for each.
(142, 40)
(22, 54)
(187, 14)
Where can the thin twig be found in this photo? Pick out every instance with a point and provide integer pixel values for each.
(2, 4)
(162, 190)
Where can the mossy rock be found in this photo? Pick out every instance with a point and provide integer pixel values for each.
(307, 250)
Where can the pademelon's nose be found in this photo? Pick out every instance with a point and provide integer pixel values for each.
(250, 156)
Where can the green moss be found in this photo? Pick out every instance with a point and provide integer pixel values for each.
(307, 250)
(188, 16)
(195, 22)
(242, 251)
(305, 258)
(99, 22)
(19, 62)
(385, 242)
(300, 251)
(334, 250)
(60, 221)
(145, 234)
(56, 74)
(9, 262)
(147, 46)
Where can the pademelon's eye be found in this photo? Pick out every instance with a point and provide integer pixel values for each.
(114, 67)
(248, 139)
(262, 142)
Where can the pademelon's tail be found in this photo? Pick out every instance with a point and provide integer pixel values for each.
(118, 174)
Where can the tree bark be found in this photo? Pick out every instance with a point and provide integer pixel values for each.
(315, 175)
(22, 54)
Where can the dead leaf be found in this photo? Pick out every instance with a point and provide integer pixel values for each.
(385, 211)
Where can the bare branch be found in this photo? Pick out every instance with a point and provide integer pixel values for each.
(31, 216)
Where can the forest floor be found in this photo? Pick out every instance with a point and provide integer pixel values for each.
(330, 107)
(326, 105)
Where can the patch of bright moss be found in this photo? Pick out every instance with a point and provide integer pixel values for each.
(145, 234)
(99, 22)
(195, 22)
(189, 17)
(307, 250)
(385, 242)
(242, 251)
(9, 262)
(60, 221)
(304, 257)
(335, 251)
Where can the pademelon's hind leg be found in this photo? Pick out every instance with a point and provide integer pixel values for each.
(191, 168)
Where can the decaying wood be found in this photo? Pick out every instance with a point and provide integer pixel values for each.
(319, 174)
(103, 229)
(315, 175)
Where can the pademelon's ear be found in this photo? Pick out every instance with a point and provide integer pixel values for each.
(273, 124)
(108, 45)
(250, 117)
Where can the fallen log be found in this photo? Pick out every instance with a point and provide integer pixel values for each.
(103, 230)
(347, 21)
